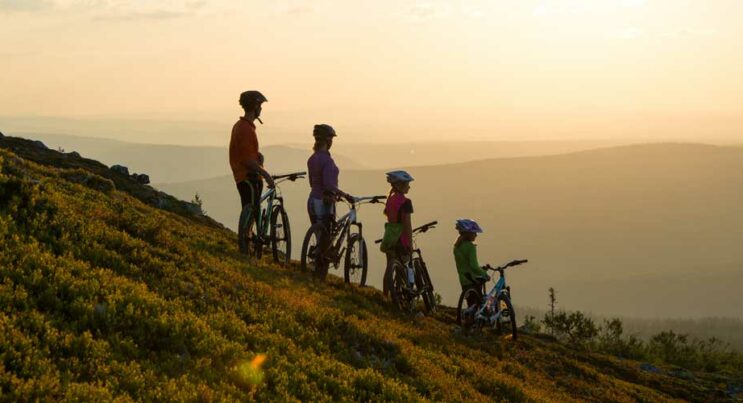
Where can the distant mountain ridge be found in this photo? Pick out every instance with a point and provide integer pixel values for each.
(173, 163)
(179, 163)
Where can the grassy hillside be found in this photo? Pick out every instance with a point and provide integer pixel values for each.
(106, 296)
(632, 231)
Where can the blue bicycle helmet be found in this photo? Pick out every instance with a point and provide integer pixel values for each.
(467, 225)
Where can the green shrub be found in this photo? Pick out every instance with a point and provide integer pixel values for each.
(88, 179)
(531, 324)
(575, 327)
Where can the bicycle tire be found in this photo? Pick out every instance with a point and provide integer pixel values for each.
(423, 282)
(281, 243)
(465, 312)
(400, 286)
(247, 234)
(504, 303)
(352, 274)
(310, 259)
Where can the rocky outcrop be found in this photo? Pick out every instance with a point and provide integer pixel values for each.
(40, 145)
(93, 174)
(120, 169)
(143, 179)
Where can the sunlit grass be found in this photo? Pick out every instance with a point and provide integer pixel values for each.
(249, 373)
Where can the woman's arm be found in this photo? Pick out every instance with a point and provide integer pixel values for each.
(330, 179)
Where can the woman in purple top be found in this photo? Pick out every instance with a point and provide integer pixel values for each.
(323, 175)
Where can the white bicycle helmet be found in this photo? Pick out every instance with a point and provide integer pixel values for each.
(399, 176)
(467, 225)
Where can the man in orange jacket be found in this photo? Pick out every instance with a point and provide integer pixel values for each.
(245, 158)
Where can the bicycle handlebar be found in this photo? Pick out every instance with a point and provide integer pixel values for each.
(422, 228)
(370, 199)
(292, 176)
(426, 227)
(512, 263)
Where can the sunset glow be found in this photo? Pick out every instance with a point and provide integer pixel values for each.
(488, 70)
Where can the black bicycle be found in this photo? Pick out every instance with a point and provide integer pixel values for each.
(345, 239)
(410, 279)
(270, 229)
(477, 310)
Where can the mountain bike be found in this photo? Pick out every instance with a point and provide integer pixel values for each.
(270, 229)
(494, 310)
(410, 279)
(346, 241)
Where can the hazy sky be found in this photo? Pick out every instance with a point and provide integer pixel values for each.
(386, 70)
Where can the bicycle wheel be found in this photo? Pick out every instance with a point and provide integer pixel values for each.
(356, 262)
(312, 259)
(506, 323)
(423, 283)
(247, 234)
(400, 292)
(281, 238)
(470, 301)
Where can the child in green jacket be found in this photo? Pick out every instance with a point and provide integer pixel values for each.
(465, 255)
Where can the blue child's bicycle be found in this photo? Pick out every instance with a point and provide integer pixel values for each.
(494, 309)
(270, 228)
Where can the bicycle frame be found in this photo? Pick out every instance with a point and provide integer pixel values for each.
(347, 222)
(406, 290)
(262, 219)
(416, 250)
(270, 196)
(500, 288)
(417, 231)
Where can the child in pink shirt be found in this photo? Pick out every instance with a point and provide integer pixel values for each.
(398, 210)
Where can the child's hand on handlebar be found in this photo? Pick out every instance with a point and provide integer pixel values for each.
(482, 279)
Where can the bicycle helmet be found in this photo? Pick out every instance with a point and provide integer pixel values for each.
(323, 131)
(251, 98)
(399, 176)
(467, 225)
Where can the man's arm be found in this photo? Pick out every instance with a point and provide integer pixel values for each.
(254, 166)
